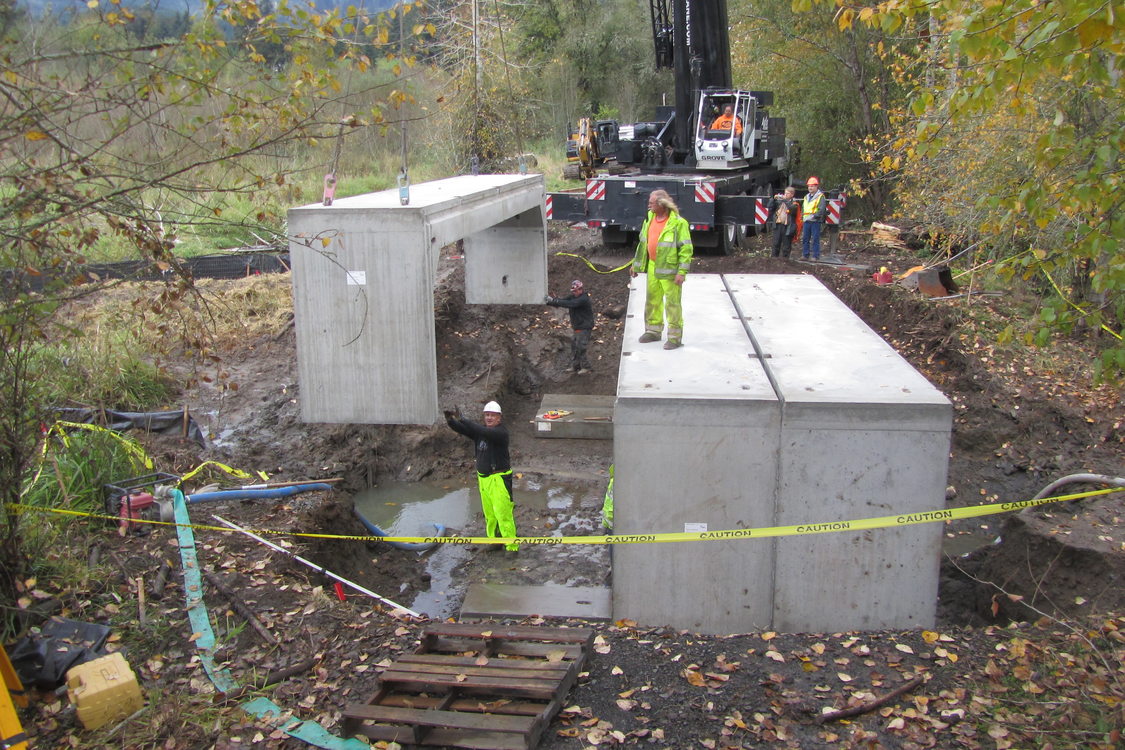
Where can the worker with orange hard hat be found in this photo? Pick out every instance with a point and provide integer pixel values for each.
(814, 209)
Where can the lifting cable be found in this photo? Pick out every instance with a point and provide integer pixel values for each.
(333, 176)
(508, 78)
(403, 175)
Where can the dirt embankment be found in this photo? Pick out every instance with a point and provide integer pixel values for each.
(1016, 428)
(1021, 420)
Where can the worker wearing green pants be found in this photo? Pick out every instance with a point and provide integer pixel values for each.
(494, 469)
(664, 253)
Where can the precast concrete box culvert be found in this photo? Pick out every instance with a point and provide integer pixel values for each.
(781, 409)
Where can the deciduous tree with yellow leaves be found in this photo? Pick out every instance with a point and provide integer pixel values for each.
(1013, 136)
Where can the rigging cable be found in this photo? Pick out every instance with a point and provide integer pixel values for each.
(508, 77)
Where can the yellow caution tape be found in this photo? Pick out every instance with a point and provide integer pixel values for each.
(134, 448)
(592, 267)
(238, 473)
(863, 524)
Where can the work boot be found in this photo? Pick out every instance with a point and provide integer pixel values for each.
(669, 344)
(583, 370)
(648, 337)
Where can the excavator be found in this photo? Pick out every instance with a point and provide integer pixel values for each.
(720, 178)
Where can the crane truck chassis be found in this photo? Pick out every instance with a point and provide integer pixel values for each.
(721, 179)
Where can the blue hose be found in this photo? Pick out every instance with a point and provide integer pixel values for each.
(411, 546)
(259, 493)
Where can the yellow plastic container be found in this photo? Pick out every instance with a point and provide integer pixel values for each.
(103, 690)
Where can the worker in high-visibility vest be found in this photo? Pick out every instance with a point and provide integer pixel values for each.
(607, 504)
(664, 253)
(814, 208)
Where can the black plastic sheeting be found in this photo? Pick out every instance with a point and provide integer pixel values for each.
(163, 422)
(223, 266)
(43, 659)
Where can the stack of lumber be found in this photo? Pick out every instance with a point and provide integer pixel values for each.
(886, 235)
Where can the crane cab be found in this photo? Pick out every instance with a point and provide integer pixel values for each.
(728, 129)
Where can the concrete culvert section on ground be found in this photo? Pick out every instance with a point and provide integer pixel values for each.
(802, 416)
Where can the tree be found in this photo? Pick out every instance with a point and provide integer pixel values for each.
(1016, 107)
(104, 139)
(831, 85)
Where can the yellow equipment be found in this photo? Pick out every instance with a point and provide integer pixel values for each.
(12, 736)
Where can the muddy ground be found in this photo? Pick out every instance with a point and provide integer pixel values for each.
(1021, 421)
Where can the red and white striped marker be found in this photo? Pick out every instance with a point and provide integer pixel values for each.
(761, 213)
(595, 190)
(704, 192)
(550, 205)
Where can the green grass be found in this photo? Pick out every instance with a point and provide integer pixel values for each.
(102, 369)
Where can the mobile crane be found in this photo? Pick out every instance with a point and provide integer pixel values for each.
(720, 178)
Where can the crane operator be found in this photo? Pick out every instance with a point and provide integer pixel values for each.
(726, 120)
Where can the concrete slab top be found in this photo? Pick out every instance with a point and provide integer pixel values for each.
(716, 361)
(436, 194)
(498, 600)
(819, 350)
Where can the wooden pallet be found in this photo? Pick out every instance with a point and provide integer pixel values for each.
(474, 686)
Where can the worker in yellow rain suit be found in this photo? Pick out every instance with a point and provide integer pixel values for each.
(494, 470)
(607, 504)
(664, 253)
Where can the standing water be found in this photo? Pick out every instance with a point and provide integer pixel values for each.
(410, 509)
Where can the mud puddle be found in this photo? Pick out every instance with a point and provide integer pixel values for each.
(413, 509)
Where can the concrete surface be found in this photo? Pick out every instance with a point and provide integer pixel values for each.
(590, 417)
(364, 271)
(828, 424)
(485, 601)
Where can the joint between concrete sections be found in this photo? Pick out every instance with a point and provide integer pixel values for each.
(780, 395)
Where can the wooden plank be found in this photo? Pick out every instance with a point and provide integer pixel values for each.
(480, 705)
(440, 738)
(498, 685)
(446, 719)
(493, 662)
(543, 672)
(509, 648)
(511, 633)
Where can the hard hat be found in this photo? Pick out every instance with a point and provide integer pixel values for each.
(813, 181)
(493, 407)
(883, 269)
(576, 284)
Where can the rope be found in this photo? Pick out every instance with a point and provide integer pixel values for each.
(591, 266)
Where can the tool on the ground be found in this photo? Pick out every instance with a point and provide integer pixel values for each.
(556, 414)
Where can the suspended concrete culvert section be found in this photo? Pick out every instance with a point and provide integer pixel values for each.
(364, 270)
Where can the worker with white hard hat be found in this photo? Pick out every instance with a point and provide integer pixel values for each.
(494, 469)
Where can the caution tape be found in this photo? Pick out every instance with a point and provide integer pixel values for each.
(863, 524)
(132, 447)
(591, 266)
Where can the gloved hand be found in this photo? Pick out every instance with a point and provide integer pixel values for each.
(457, 411)
(448, 415)
(548, 300)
